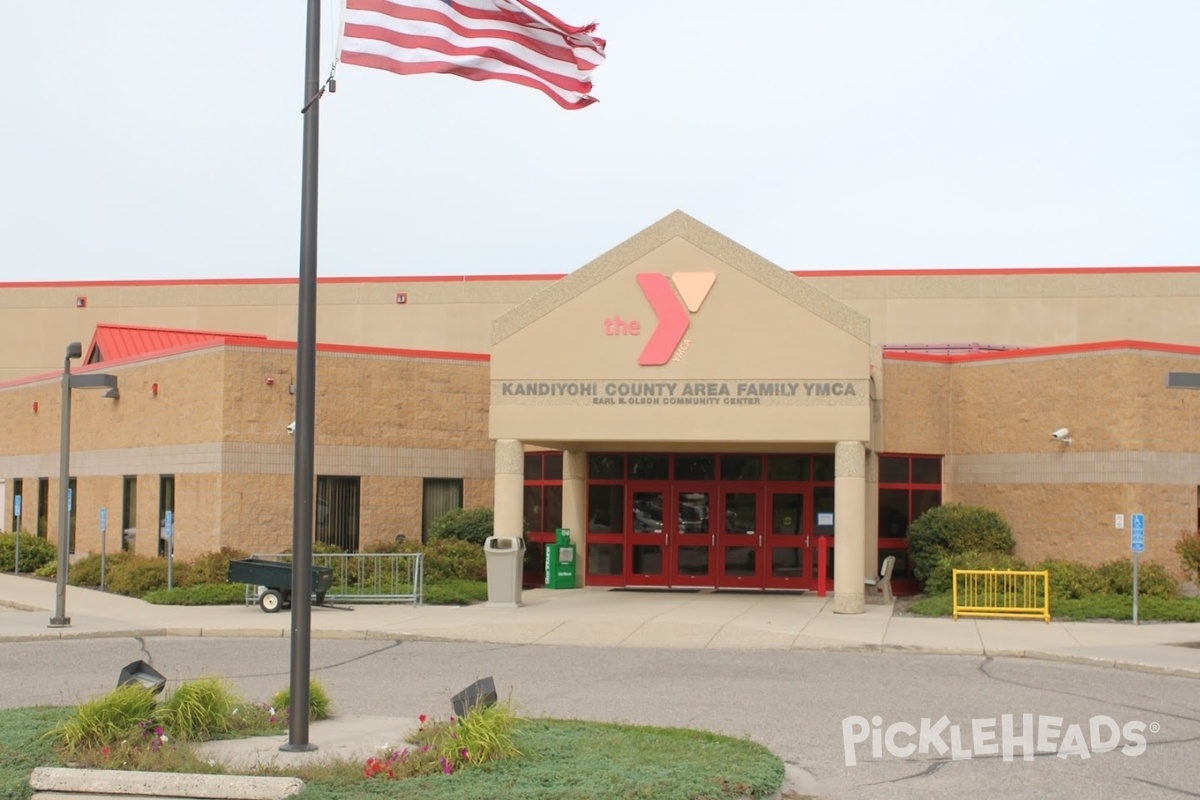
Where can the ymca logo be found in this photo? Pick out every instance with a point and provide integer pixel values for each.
(674, 300)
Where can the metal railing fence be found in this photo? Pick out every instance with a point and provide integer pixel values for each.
(996, 593)
(364, 577)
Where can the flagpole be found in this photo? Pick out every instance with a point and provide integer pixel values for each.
(306, 362)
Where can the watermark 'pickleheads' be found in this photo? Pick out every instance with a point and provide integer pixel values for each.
(1003, 737)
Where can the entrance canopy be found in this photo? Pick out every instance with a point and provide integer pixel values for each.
(680, 338)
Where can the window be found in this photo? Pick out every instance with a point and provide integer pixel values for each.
(741, 468)
(438, 496)
(908, 487)
(337, 512)
(543, 495)
(43, 517)
(166, 502)
(17, 500)
(128, 512)
(606, 466)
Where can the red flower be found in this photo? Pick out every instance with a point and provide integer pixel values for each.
(421, 719)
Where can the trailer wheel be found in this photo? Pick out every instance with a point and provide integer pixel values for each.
(270, 600)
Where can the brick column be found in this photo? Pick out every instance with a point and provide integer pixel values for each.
(849, 513)
(509, 505)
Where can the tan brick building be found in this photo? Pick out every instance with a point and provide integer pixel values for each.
(201, 430)
(695, 415)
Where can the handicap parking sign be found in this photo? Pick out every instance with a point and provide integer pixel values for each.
(1137, 533)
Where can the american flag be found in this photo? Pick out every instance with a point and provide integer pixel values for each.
(507, 40)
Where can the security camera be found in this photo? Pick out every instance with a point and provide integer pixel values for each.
(1062, 435)
(291, 429)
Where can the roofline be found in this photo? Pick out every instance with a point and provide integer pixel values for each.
(800, 273)
(1035, 352)
(189, 331)
(252, 342)
(279, 281)
(959, 271)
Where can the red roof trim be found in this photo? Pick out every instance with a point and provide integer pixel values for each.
(400, 279)
(122, 342)
(407, 279)
(1035, 352)
(440, 355)
(249, 341)
(186, 331)
(926, 272)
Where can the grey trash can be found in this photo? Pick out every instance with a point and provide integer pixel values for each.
(505, 562)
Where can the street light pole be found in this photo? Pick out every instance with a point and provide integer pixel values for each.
(60, 618)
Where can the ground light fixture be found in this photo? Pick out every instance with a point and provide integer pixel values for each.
(479, 694)
(139, 673)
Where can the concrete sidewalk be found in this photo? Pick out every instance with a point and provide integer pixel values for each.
(623, 618)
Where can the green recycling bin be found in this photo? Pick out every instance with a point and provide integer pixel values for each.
(560, 562)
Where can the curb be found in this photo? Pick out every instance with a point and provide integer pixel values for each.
(374, 635)
(64, 782)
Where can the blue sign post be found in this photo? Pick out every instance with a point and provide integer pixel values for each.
(169, 535)
(1137, 544)
(17, 536)
(103, 549)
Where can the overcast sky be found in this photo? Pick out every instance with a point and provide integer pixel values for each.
(162, 140)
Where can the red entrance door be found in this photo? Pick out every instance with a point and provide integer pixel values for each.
(740, 562)
(648, 539)
(788, 548)
(693, 539)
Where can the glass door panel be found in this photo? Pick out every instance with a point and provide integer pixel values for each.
(693, 539)
(647, 565)
(740, 541)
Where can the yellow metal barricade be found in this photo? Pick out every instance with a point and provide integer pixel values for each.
(1001, 593)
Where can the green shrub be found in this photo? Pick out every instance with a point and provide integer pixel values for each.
(450, 559)
(106, 719)
(47, 570)
(467, 524)
(455, 592)
(35, 552)
(1188, 548)
(955, 528)
(319, 706)
(86, 571)
(1153, 579)
(138, 575)
(210, 568)
(389, 546)
(1070, 579)
(200, 708)
(939, 581)
(207, 594)
(484, 734)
